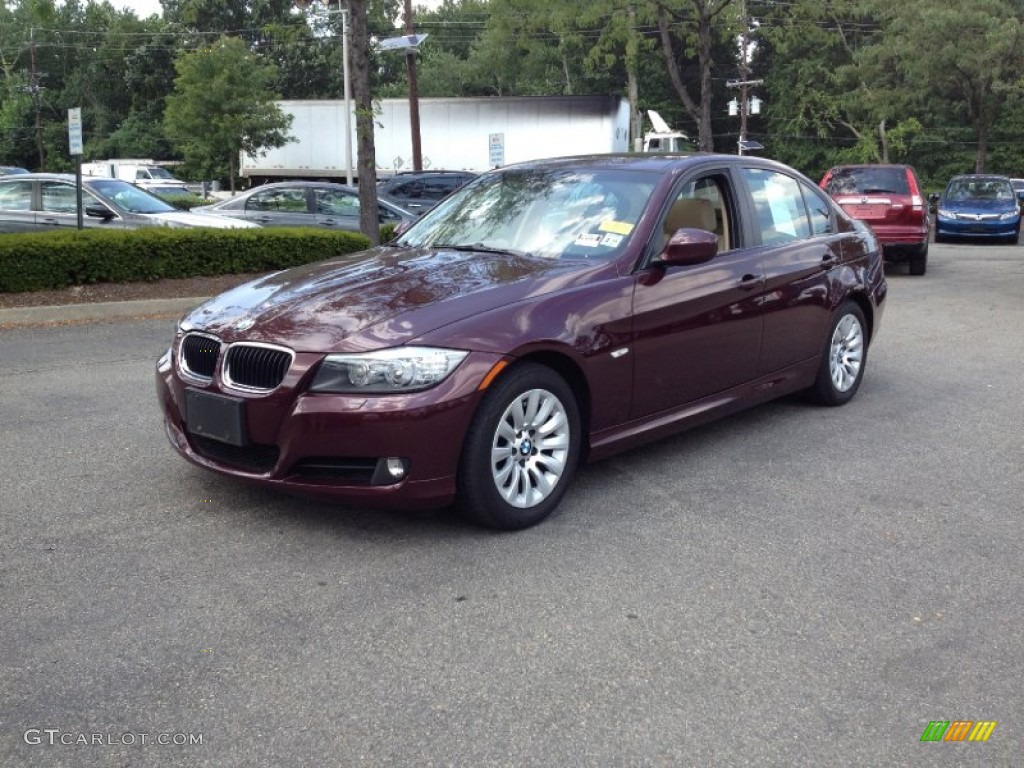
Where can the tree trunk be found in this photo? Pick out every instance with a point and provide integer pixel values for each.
(883, 139)
(232, 171)
(369, 218)
(673, 72)
(979, 160)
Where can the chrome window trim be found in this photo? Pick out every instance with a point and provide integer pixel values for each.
(225, 374)
(182, 364)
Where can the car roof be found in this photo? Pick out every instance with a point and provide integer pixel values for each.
(62, 177)
(980, 176)
(299, 183)
(871, 165)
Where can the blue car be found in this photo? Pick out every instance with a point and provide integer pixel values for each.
(975, 205)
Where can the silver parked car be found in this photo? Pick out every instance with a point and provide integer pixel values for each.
(34, 202)
(320, 204)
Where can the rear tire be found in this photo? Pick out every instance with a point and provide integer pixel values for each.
(844, 357)
(521, 449)
(919, 261)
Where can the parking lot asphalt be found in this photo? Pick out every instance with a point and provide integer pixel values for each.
(792, 586)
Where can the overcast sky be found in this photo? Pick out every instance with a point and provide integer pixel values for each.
(143, 8)
(146, 8)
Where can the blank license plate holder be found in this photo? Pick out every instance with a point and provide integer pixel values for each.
(215, 416)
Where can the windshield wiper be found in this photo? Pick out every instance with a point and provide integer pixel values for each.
(480, 248)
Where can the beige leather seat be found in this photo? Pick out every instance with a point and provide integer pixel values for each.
(691, 213)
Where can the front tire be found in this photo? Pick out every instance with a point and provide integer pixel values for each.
(844, 357)
(521, 449)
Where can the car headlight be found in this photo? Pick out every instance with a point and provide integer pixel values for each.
(945, 214)
(1009, 215)
(398, 369)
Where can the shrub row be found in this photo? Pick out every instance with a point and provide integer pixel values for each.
(54, 260)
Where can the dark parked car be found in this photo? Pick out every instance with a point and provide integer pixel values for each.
(419, 191)
(1018, 188)
(978, 206)
(889, 198)
(33, 202)
(320, 204)
(545, 314)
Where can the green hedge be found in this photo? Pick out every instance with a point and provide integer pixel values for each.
(54, 260)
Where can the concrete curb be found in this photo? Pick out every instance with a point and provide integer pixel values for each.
(15, 317)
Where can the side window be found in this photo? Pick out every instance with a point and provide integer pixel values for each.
(819, 209)
(409, 189)
(16, 196)
(289, 200)
(59, 198)
(334, 203)
(702, 203)
(781, 215)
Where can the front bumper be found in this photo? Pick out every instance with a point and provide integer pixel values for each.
(331, 446)
(945, 227)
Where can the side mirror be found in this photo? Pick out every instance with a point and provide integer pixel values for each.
(99, 212)
(689, 246)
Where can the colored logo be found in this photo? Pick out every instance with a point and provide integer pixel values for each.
(958, 730)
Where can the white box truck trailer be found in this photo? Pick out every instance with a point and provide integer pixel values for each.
(473, 134)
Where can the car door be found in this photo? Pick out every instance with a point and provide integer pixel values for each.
(286, 206)
(336, 209)
(58, 208)
(800, 246)
(697, 329)
(16, 209)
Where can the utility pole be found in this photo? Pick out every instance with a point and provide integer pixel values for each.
(743, 84)
(414, 95)
(33, 89)
(348, 93)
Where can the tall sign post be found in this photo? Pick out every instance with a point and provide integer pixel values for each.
(75, 149)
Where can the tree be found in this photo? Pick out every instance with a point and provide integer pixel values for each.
(968, 51)
(222, 105)
(369, 221)
(695, 21)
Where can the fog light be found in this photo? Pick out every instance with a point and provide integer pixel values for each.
(396, 468)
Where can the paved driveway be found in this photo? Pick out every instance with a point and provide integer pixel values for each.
(794, 586)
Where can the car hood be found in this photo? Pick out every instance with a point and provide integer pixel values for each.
(189, 219)
(382, 297)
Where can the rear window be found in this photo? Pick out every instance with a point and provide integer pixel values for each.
(867, 181)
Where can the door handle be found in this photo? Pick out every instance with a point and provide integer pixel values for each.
(749, 282)
(829, 259)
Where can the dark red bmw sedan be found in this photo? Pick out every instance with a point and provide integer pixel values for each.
(545, 314)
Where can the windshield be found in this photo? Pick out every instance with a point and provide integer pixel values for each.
(867, 181)
(129, 198)
(551, 213)
(160, 173)
(980, 189)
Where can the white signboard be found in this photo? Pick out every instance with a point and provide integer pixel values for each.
(75, 130)
(497, 149)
